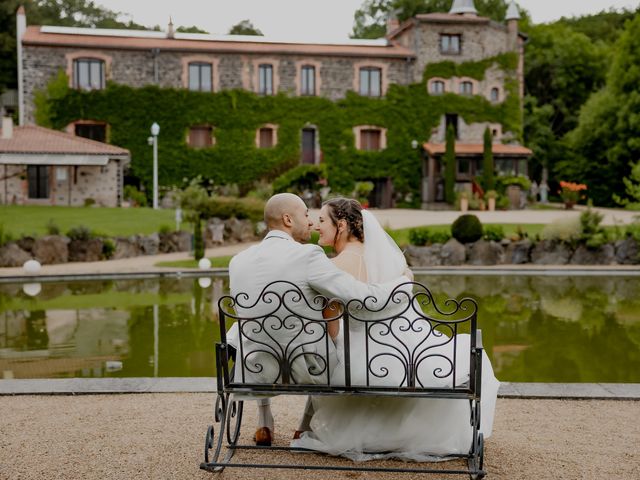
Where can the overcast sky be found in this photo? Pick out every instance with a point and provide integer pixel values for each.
(307, 19)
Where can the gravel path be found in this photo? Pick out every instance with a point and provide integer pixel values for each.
(162, 435)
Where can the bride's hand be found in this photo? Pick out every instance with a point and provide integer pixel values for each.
(408, 273)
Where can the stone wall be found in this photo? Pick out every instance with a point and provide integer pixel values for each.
(68, 185)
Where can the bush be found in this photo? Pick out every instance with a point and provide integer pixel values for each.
(52, 227)
(467, 229)
(493, 233)
(568, 231)
(299, 179)
(80, 233)
(226, 207)
(89, 202)
(440, 237)
(165, 229)
(108, 248)
(633, 229)
(419, 236)
(133, 195)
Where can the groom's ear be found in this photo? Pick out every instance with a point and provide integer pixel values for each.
(286, 220)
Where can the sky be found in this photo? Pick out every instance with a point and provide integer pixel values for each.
(307, 19)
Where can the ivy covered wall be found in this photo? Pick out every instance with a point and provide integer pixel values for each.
(408, 113)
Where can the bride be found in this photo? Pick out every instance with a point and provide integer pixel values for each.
(416, 429)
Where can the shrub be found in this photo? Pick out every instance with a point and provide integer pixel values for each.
(633, 229)
(303, 177)
(165, 229)
(261, 190)
(52, 228)
(80, 233)
(135, 196)
(467, 229)
(89, 202)
(563, 230)
(108, 248)
(493, 233)
(419, 236)
(440, 237)
(226, 207)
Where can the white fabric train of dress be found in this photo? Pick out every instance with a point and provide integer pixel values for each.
(417, 429)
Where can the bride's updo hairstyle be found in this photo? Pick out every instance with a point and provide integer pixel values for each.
(349, 210)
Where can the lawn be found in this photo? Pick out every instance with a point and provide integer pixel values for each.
(20, 220)
(216, 262)
(401, 236)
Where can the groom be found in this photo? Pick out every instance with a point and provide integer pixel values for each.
(285, 255)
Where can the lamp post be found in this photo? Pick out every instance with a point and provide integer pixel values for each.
(153, 140)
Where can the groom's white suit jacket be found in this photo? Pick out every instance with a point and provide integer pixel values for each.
(279, 257)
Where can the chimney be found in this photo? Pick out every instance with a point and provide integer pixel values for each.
(171, 33)
(392, 23)
(7, 128)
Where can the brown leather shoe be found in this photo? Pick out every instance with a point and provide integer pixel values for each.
(297, 434)
(263, 437)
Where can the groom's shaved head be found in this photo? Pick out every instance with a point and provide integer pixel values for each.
(279, 205)
(287, 212)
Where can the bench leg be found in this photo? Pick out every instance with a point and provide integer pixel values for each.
(229, 417)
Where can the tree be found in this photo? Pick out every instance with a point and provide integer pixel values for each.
(607, 138)
(191, 29)
(245, 27)
(488, 179)
(450, 166)
(632, 187)
(70, 13)
(370, 19)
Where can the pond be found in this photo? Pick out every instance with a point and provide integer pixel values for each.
(535, 328)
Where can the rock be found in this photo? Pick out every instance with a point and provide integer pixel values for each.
(605, 255)
(627, 251)
(486, 253)
(518, 252)
(149, 245)
(549, 252)
(239, 230)
(51, 249)
(214, 232)
(11, 255)
(26, 244)
(86, 250)
(126, 248)
(175, 242)
(453, 253)
(424, 256)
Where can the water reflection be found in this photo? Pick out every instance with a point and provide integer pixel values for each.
(555, 329)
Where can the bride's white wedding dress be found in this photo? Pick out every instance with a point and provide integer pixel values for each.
(417, 429)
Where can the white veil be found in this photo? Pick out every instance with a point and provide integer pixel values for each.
(383, 258)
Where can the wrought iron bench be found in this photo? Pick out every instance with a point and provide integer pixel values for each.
(281, 308)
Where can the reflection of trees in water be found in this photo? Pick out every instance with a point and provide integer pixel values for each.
(37, 335)
(555, 329)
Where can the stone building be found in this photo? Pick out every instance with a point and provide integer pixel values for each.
(92, 57)
(39, 166)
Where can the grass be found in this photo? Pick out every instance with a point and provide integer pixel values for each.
(216, 262)
(21, 220)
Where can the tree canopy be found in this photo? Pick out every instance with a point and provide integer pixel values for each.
(245, 27)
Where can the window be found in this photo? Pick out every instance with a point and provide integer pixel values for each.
(200, 136)
(38, 179)
(200, 75)
(308, 146)
(266, 137)
(464, 167)
(370, 139)
(92, 131)
(437, 87)
(452, 119)
(265, 79)
(495, 95)
(450, 44)
(88, 74)
(466, 88)
(371, 81)
(308, 80)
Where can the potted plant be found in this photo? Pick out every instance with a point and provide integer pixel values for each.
(362, 191)
(570, 193)
(491, 199)
(463, 200)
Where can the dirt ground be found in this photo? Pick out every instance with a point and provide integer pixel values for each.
(162, 436)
